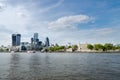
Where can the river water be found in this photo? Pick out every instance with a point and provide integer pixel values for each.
(59, 66)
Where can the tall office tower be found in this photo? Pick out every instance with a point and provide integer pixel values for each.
(47, 43)
(13, 39)
(16, 39)
(32, 41)
(35, 36)
(35, 41)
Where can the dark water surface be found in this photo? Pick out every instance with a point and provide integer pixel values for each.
(73, 66)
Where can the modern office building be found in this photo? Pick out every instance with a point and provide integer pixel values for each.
(25, 46)
(32, 40)
(35, 43)
(47, 43)
(16, 39)
(35, 36)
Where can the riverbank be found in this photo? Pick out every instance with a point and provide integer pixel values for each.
(63, 51)
(81, 52)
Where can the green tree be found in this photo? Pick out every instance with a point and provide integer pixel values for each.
(108, 46)
(56, 48)
(118, 46)
(51, 49)
(90, 46)
(69, 47)
(62, 47)
(114, 48)
(75, 47)
(99, 47)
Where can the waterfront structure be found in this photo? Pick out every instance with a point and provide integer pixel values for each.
(69, 50)
(16, 39)
(83, 48)
(25, 46)
(4, 49)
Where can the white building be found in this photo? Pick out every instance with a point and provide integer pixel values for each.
(83, 48)
(69, 50)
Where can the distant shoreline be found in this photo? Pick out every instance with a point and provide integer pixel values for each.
(65, 52)
(81, 52)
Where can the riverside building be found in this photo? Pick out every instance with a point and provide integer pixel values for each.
(16, 39)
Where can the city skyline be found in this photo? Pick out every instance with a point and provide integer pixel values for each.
(63, 21)
(34, 44)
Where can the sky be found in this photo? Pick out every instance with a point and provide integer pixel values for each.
(63, 21)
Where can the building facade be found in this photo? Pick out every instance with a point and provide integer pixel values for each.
(35, 36)
(35, 43)
(47, 43)
(16, 39)
(25, 46)
(83, 48)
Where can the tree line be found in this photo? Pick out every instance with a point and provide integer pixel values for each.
(98, 47)
(103, 47)
(61, 48)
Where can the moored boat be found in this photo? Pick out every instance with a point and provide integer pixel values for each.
(30, 51)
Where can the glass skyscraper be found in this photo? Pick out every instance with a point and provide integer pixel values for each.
(16, 39)
(35, 43)
(47, 43)
(35, 36)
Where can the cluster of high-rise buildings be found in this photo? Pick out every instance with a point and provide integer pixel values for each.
(16, 39)
(35, 43)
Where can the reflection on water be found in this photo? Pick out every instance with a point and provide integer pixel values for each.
(37, 66)
(14, 71)
(34, 66)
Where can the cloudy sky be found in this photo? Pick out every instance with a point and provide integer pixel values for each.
(63, 21)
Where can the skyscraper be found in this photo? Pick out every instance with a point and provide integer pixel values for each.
(32, 40)
(16, 39)
(47, 43)
(35, 36)
(35, 41)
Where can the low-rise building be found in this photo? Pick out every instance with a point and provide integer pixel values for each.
(15, 48)
(25, 46)
(69, 50)
(83, 48)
